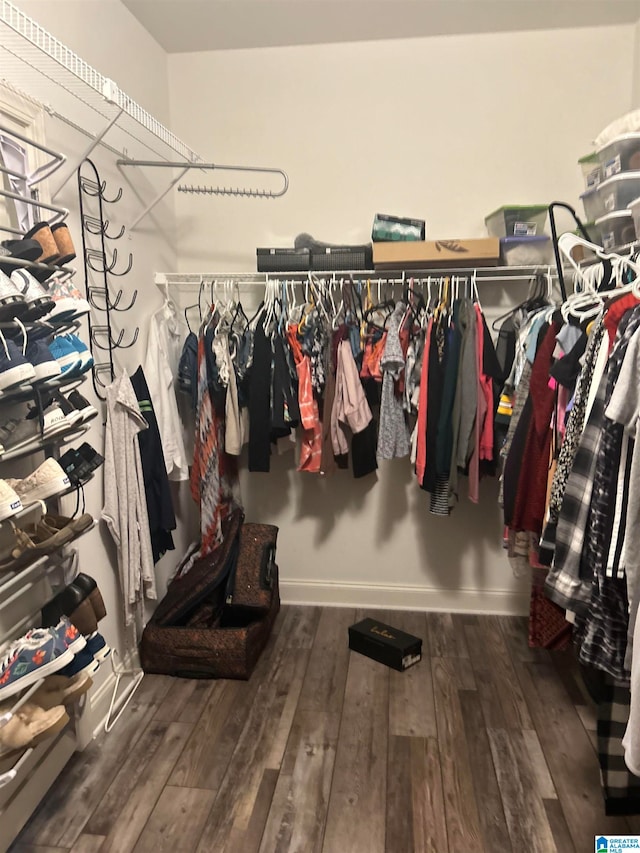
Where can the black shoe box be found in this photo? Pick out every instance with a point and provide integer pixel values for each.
(385, 644)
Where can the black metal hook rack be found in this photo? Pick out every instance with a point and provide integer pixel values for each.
(100, 263)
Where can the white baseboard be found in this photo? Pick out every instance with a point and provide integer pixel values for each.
(395, 597)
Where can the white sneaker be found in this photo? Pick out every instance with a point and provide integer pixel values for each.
(10, 502)
(69, 301)
(46, 481)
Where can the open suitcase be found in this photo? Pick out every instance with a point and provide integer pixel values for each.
(215, 620)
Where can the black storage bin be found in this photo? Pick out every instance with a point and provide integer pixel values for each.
(282, 260)
(342, 258)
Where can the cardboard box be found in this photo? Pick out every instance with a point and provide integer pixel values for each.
(385, 644)
(424, 254)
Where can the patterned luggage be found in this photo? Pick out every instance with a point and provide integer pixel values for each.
(215, 620)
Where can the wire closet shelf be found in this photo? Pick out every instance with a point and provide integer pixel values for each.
(33, 60)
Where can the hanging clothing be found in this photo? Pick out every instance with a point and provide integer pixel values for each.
(160, 369)
(260, 402)
(350, 408)
(532, 487)
(421, 426)
(214, 474)
(393, 435)
(160, 512)
(573, 432)
(311, 438)
(124, 510)
(188, 369)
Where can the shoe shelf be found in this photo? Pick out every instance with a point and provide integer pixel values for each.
(59, 439)
(21, 263)
(30, 392)
(47, 327)
(15, 586)
(34, 774)
(23, 581)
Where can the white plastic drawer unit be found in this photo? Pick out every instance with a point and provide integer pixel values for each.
(620, 155)
(617, 192)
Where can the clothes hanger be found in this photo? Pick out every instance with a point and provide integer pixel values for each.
(534, 300)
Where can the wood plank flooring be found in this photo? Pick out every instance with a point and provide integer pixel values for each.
(486, 745)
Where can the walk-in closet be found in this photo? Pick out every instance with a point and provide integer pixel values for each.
(319, 371)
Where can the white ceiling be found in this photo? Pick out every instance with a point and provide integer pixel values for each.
(183, 26)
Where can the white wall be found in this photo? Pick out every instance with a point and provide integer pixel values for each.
(635, 91)
(445, 128)
(106, 35)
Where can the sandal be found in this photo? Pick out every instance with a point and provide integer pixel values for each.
(29, 726)
(60, 522)
(61, 690)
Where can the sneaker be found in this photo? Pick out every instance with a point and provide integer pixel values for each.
(82, 405)
(83, 664)
(10, 502)
(44, 364)
(38, 301)
(12, 302)
(71, 414)
(67, 356)
(64, 307)
(18, 433)
(65, 631)
(82, 350)
(29, 659)
(46, 481)
(53, 418)
(97, 646)
(14, 367)
(69, 301)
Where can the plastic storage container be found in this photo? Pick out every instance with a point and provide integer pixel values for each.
(618, 192)
(634, 207)
(591, 171)
(616, 229)
(514, 220)
(593, 204)
(622, 154)
(344, 258)
(594, 231)
(525, 251)
(283, 260)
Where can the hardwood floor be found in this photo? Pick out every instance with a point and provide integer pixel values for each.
(486, 745)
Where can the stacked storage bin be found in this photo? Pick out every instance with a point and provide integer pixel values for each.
(612, 186)
(521, 232)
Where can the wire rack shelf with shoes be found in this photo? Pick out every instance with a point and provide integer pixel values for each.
(47, 670)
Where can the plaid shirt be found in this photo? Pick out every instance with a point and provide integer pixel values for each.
(621, 788)
(564, 584)
(602, 632)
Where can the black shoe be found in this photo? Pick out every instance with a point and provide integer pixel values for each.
(71, 413)
(91, 456)
(82, 405)
(75, 467)
(73, 603)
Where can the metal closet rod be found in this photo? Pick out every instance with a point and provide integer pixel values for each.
(185, 165)
(505, 274)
